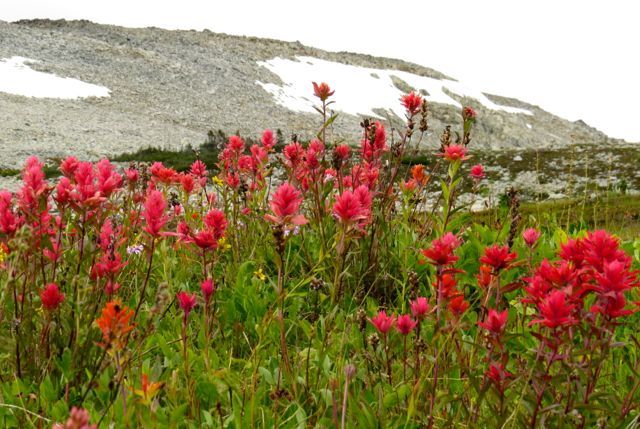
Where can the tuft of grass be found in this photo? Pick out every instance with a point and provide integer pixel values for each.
(9, 172)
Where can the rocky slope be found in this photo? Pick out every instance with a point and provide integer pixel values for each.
(168, 88)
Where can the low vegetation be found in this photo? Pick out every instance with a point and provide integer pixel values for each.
(336, 293)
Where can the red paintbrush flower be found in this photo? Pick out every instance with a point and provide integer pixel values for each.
(498, 257)
(51, 297)
(600, 247)
(412, 102)
(382, 322)
(322, 91)
(285, 203)
(205, 239)
(495, 322)
(162, 174)
(454, 152)
(188, 182)
(109, 180)
(186, 302)
(353, 207)
(342, 151)
(419, 307)
(498, 375)
(477, 172)
(441, 250)
(153, 213)
(347, 208)
(217, 222)
(447, 283)
(198, 168)
(78, 419)
(236, 145)
(530, 236)
(9, 221)
(207, 287)
(615, 278)
(132, 175)
(68, 166)
(64, 190)
(468, 113)
(34, 188)
(268, 140)
(372, 149)
(555, 311)
(405, 324)
(458, 305)
(259, 156)
(612, 306)
(572, 251)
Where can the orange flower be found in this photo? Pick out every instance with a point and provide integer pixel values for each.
(148, 390)
(419, 174)
(114, 324)
(322, 91)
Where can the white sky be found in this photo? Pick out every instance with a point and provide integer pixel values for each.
(577, 59)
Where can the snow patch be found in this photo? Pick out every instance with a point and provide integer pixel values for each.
(16, 77)
(360, 90)
(529, 126)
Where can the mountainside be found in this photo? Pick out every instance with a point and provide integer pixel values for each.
(168, 88)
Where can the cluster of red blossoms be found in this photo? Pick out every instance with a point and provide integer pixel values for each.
(404, 323)
(246, 170)
(593, 265)
(441, 255)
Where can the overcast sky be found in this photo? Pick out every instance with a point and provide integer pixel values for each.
(577, 59)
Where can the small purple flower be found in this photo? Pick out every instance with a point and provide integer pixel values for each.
(136, 249)
(292, 231)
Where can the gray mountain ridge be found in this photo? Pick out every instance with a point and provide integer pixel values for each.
(169, 87)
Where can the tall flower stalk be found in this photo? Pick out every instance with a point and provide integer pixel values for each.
(285, 205)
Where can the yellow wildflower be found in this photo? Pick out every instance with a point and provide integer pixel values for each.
(260, 275)
(223, 245)
(217, 181)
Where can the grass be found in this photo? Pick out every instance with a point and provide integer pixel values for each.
(619, 214)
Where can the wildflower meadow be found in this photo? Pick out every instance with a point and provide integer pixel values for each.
(304, 284)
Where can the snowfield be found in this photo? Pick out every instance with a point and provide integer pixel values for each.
(360, 90)
(16, 77)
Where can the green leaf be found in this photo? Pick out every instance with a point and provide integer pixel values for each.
(397, 396)
(326, 124)
(268, 377)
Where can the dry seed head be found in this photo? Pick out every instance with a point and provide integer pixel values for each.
(445, 138)
(362, 319)
(316, 284)
(424, 111)
(278, 235)
(374, 340)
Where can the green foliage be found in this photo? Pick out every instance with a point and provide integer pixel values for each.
(288, 338)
